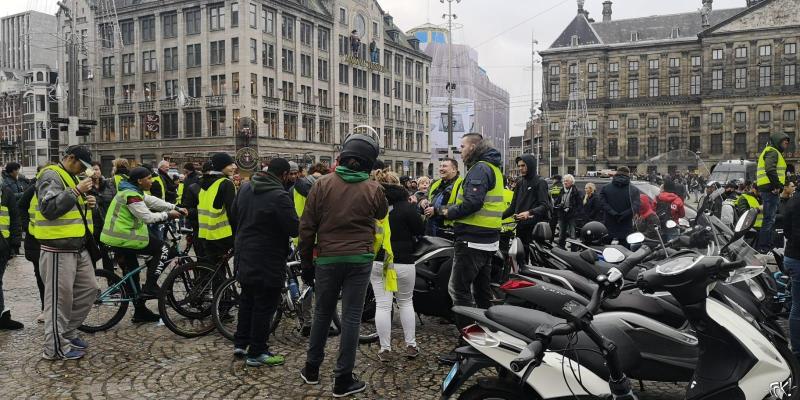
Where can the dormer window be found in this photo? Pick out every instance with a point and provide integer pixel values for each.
(634, 36)
(574, 41)
(676, 32)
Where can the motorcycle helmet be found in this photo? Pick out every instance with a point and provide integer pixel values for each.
(593, 233)
(361, 147)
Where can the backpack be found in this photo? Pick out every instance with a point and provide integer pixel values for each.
(664, 212)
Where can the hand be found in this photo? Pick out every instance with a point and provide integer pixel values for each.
(91, 201)
(307, 274)
(424, 203)
(429, 212)
(412, 199)
(183, 211)
(523, 216)
(85, 185)
(444, 212)
(174, 214)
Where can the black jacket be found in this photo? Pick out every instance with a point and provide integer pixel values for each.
(189, 200)
(17, 186)
(266, 220)
(710, 202)
(104, 194)
(780, 219)
(171, 189)
(479, 179)
(190, 179)
(225, 197)
(405, 223)
(530, 194)
(9, 200)
(620, 202)
(569, 207)
(791, 229)
(593, 210)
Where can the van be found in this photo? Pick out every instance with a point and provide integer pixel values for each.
(738, 170)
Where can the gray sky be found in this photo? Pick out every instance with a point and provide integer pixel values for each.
(499, 29)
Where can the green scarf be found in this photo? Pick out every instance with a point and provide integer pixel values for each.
(350, 176)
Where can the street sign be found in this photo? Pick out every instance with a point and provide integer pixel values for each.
(59, 120)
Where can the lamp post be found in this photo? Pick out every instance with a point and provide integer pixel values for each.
(450, 86)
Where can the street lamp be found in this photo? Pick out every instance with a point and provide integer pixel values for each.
(450, 86)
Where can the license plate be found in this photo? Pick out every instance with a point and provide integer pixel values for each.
(449, 378)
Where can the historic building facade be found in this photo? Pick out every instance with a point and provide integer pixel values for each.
(709, 85)
(188, 78)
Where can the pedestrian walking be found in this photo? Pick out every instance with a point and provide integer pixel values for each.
(568, 207)
(62, 223)
(620, 202)
(339, 224)
(265, 220)
(10, 237)
(530, 203)
(770, 179)
(404, 225)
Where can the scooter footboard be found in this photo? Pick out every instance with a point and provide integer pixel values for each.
(469, 362)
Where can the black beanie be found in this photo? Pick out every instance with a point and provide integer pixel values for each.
(221, 160)
(139, 173)
(277, 166)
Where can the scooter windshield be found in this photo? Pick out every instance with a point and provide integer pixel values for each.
(753, 264)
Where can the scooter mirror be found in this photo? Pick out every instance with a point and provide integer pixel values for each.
(746, 221)
(671, 224)
(612, 255)
(684, 223)
(635, 238)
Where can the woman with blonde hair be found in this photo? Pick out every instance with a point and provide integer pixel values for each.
(592, 209)
(404, 224)
(119, 171)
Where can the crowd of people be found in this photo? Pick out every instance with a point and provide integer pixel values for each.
(353, 226)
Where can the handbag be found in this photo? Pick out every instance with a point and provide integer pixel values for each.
(91, 243)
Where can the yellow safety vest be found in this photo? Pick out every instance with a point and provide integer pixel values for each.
(158, 180)
(69, 225)
(299, 208)
(5, 222)
(753, 203)
(121, 227)
(213, 222)
(383, 239)
(555, 191)
(509, 224)
(453, 194)
(32, 206)
(180, 193)
(491, 213)
(761, 172)
(118, 179)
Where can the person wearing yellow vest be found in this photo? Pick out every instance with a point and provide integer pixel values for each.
(121, 169)
(770, 179)
(216, 224)
(125, 231)
(164, 186)
(10, 230)
(477, 217)
(751, 199)
(398, 230)
(442, 193)
(27, 209)
(61, 219)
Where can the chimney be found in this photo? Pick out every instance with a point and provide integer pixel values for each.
(580, 7)
(607, 11)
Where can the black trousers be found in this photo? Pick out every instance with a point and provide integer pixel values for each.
(470, 280)
(257, 305)
(130, 262)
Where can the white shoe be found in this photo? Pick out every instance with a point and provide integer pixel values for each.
(40, 318)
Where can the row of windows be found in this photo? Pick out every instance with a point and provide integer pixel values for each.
(694, 122)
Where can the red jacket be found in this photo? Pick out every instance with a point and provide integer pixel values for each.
(646, 206)
(676, 204)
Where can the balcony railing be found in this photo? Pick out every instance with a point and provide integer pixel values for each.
(192, 102)
(106, 110)
(147, 105)
(290, 105)
(389, 122)
(361, 119)
(215, 101)
(325, 111)
(168, 104)
(125, 108)
(270, 102)
(309, 109)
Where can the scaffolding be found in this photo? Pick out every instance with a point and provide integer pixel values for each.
(577, 122)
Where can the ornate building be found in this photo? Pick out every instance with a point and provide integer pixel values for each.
(708, 85)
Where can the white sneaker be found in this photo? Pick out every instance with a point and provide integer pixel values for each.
(383, 355)
(40, 318)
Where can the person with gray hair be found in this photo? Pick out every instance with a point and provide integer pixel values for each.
(163, 186)
(568, 206)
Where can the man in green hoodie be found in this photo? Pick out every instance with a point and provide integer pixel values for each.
(339, 223)
(770, 179)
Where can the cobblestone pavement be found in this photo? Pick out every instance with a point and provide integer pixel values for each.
(148, 361)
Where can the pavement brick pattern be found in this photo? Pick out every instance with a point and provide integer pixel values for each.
(147, 361)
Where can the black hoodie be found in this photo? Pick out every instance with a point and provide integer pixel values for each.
(530, 194)
(478, 181)
(404, 222)
(619, 200)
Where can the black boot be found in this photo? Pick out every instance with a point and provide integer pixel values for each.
(143, 314)
(6, 323)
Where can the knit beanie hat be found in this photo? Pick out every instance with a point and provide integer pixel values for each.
(221, 160)
(139, 173)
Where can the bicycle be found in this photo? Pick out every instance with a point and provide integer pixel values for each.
(117, 293)
(189, 291)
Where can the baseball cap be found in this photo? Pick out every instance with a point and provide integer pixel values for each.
(81, 153)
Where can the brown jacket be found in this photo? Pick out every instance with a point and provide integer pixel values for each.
(340, 218)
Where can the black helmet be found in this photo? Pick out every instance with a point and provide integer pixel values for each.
(593, 233)
(361, 147)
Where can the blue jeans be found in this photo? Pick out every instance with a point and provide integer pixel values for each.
(793, 267)
(770, 201)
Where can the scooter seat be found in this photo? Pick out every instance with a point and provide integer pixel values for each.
(581, 284)
(586, 265)
(521, 320)
(427, 244)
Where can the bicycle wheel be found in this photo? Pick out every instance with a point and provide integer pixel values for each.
(185, 301)
(110, 305)
(226, 308)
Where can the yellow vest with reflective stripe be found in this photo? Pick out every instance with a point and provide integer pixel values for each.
(32, 206)
(491, 213)
(299, 208)
(118, 179)
(69, 225)
(509, 224)
(383, 239)
(453, 194)
(121, 227)
(753, 203)
(761, 172)
(160, 181)
(214, 224)
(555, 191)
(180, 193)
(5, 222)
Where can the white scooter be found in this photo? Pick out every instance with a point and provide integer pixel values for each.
(543, 356)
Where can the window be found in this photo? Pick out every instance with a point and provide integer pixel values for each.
(573, 69)
(216, 17)
(128, 64)
(673, 143)
(171, 88)
(325, 131)
(269, 87)
(694, 144)
(652, 146)
(193, 55)
(126, 30)
(554, 126)
(694, 122)
(128, 93)
(171, 59)
(653, 64)
(789, 75)
(218, 86)
(674, 62)
(376, 83)
(741, 78)
(613, 67)
(305, 66)
(344, 74)
(592, 90)
(555, 91)
(634, 36)
(633, 66)
(694, 85)
(287, 60)
(252, 16)
(654, 87)
(253, 51)
(633, 123)
(398, 64)
(342, 15)
(674, 122)
(418, 72)
(716, 79)
(194, 86)
(192, 124)
(592, 68)
(217, 55)
(696, 61)
(397, 90)
(764, 116)
(716, 118)
(268, 55)
(234, 50)
(652, 122)
(674, 85)
(287, 90)
(287, 27)
(169, 23)
(613, 148)
(150, 91)
(763, 139)
(192, 21)
(571, 148)
(716, 143)
(108, 67)
(234, 14)
(306, 33)
(613, 89)
(216, 122)
(254, 85)
(555, 70)
(108, 96)
(359, 105)
(409, 68)
(765, 50)
(716, 54)
(126, 125)
(740, 118)
(387, 87)
(267, 20)
(789, 115)
(376, 108)
(633, 147)
(408, 92)
(741, 52)
(613, 124)
(739, 143)
(765, 76)
(789, 48)
(322, 70)
(149, 61)
(344, 102)
(633, 88)
(148, 27)
(323, 38)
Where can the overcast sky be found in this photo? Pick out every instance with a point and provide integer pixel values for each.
(500, 30)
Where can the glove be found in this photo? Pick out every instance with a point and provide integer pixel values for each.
(307, 274)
